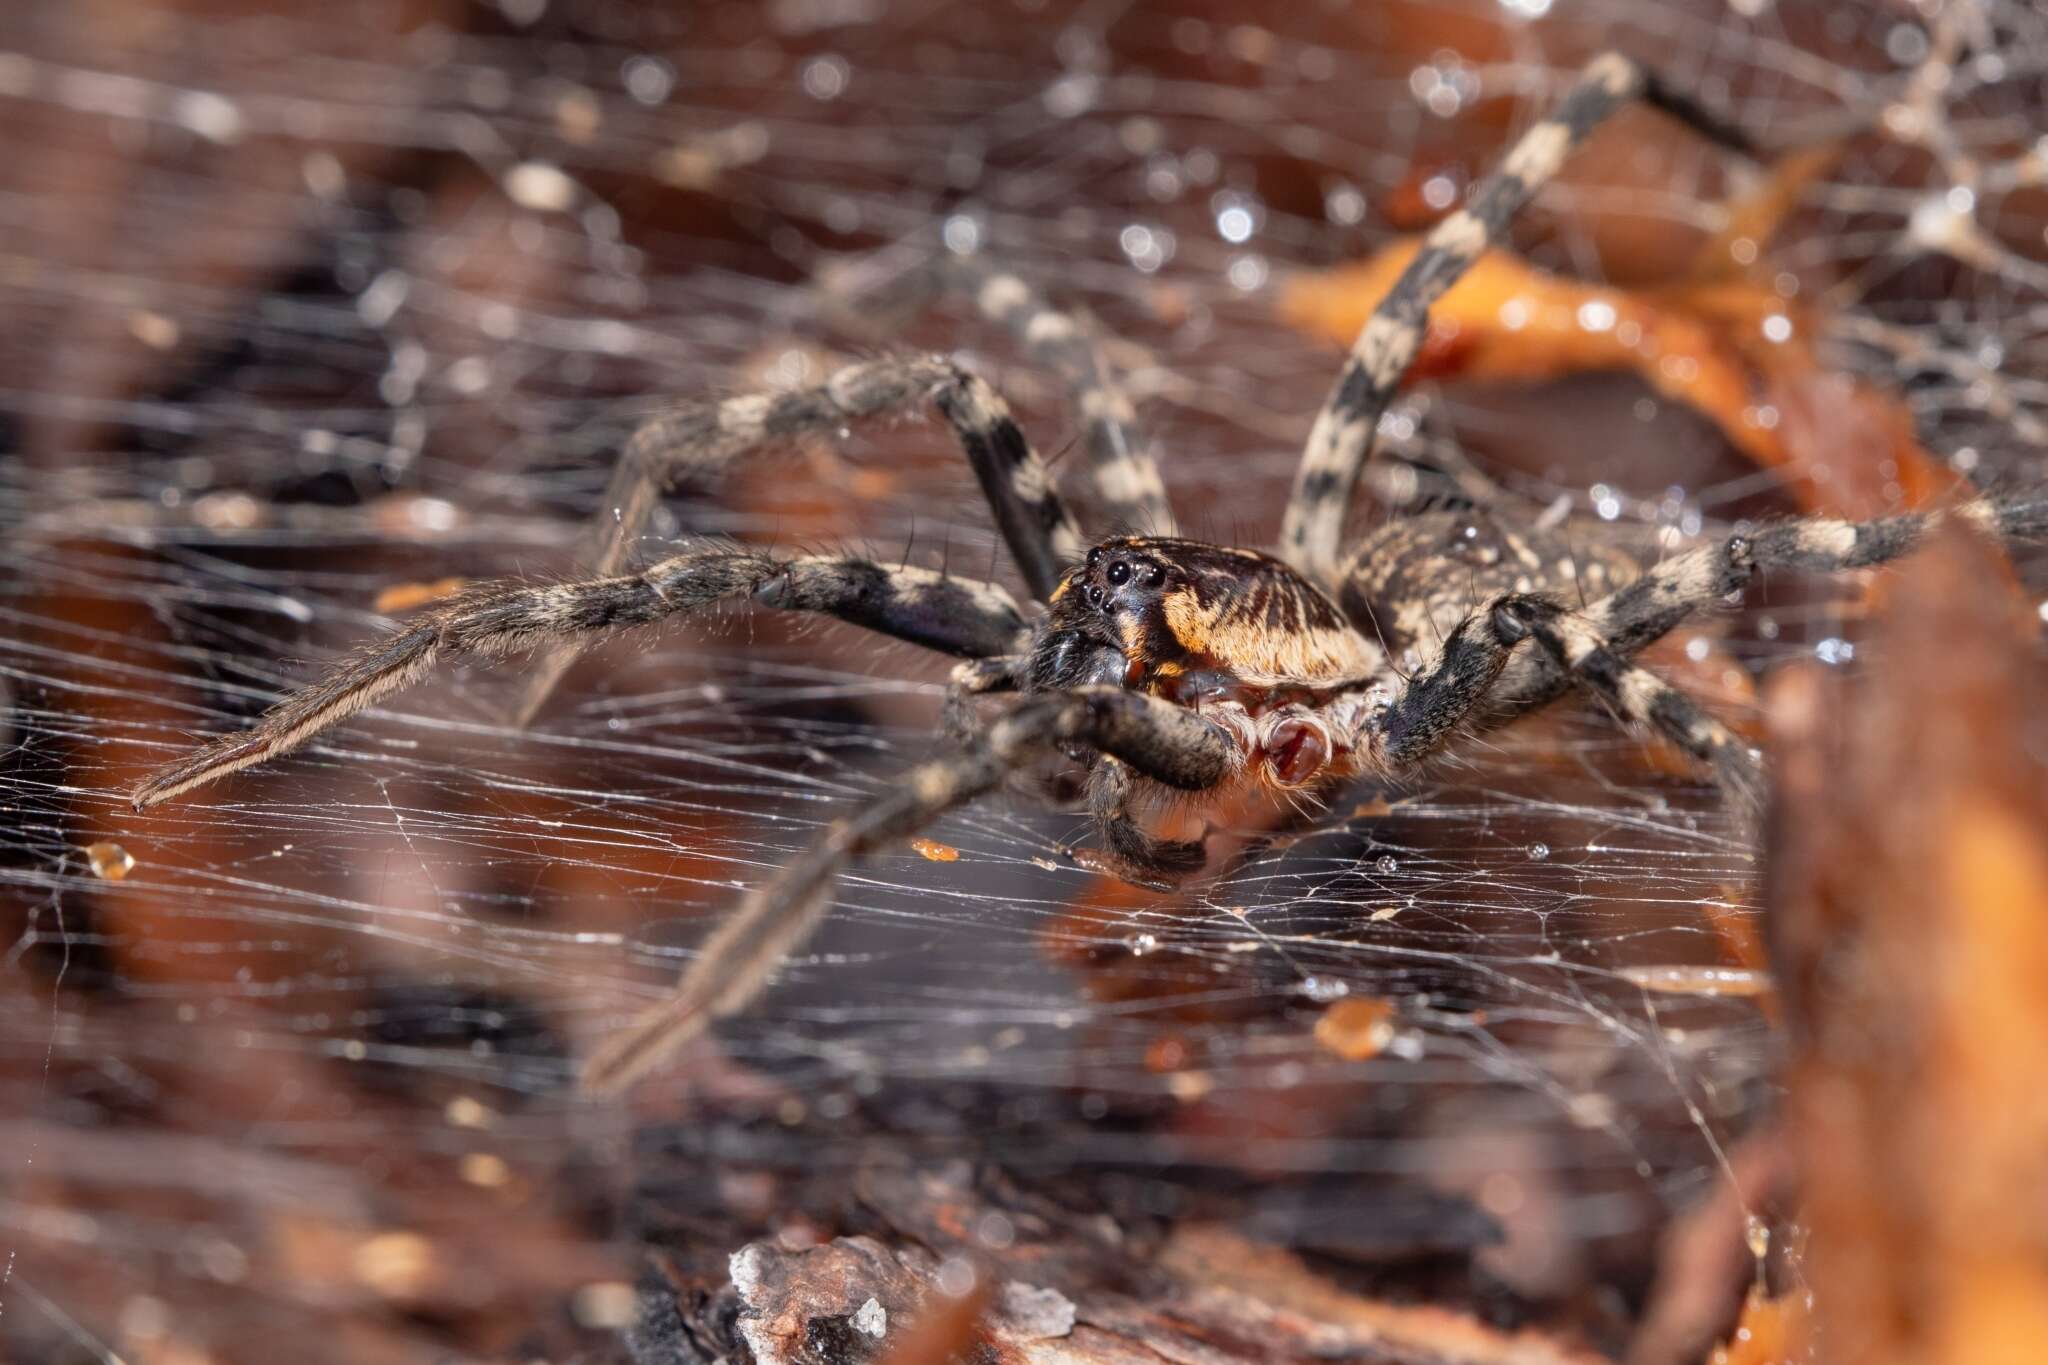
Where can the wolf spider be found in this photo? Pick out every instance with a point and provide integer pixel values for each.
(1161, 662)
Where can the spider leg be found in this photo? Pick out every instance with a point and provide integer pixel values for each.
(1637, 695)
(1593, 648)
(1133, 854)
(1435, 703)
(1341, 442)
(1159, 740)
(978, 678)
(922, 606)
(1634, 616)
(1125, 472)
(1460, 690)
(695, 444)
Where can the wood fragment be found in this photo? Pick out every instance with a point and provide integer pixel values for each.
(1907, 897)
(1058, 1286)
(1734, 351)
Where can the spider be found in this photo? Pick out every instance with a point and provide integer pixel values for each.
(1163, 664)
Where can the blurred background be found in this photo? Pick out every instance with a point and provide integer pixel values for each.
(309, 313)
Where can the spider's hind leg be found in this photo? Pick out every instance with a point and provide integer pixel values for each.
(1635, 694)
(1666, 593)
(900, 280)
(1592, 648)
(1436, 703)
(1341, 442)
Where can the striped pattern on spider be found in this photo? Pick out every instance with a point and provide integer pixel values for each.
(1165, 664)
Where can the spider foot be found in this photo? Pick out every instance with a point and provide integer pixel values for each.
(1110, 865)
(1136, 857)
(1514, 618)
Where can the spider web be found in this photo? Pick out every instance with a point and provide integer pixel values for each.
(302, 307)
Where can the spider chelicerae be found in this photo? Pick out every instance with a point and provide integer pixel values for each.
(1162, 663)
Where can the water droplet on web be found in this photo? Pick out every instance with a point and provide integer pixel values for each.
(1386, 863)
(1141, 944)
(109, 860)
(1323, 989)
(1356, 1030)
(956, 1277)
(1539, 852)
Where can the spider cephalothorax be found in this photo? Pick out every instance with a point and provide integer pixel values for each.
(1237, 635)
(1195, 621)
(1163, 664)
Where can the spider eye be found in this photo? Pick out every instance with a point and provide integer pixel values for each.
(1118, 575)
(1155, 576)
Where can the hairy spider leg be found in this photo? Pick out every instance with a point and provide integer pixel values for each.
(1341, 442)
(903, 279)
(1638, 696)
(1166, 743)
(952, 615)
(1592, 649)
(693, 445)
(1437, 702)
(1135, 855)
(1631, 617)
(1477, 680)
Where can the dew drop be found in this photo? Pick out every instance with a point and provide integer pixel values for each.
(1323, 989)
(1356, 1030)
(1538, 852)
(109, 861)
(1386, 863)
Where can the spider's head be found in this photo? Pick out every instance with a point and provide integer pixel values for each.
(1079, 642)
(1188, 619)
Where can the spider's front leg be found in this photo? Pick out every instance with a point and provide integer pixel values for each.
(1128, 851)
(696, 444)
(952, 615)
(978, 678)
(1163, 742)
